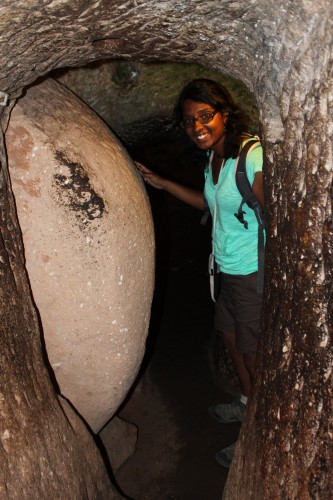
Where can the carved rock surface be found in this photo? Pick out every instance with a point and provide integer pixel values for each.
(89, 245)
(136, 100)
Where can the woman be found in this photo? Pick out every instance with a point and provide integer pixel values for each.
(214, 123)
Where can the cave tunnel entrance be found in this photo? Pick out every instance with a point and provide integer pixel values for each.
(183, 370)
(181, 373)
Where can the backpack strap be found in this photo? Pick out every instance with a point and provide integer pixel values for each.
(245, 189)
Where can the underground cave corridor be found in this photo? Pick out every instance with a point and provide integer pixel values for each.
(283, 53)
(177, 440)
(180, 373)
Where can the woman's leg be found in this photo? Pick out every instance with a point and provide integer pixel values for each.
(237, 310)
(250, 363)
(242, 365)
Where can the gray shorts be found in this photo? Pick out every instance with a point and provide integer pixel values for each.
(238, 310)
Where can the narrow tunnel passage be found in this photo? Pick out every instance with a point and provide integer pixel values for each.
(177, 440)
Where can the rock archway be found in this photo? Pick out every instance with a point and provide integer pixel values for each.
(282, 52)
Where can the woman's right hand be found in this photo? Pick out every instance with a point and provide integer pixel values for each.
(150, 177)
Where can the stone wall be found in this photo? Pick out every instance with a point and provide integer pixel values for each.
(137, 99)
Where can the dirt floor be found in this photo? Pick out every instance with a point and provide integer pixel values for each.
(177, 440)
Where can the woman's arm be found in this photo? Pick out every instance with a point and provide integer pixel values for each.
(193, 197)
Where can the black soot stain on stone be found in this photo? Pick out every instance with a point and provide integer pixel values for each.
(74, 187)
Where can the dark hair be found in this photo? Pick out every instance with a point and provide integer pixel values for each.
(211, 92)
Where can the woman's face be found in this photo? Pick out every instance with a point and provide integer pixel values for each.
(208, 135)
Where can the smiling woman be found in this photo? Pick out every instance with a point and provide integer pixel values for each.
(215, 124)
(204, 125)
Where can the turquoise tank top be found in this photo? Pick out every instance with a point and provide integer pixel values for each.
(235, 248)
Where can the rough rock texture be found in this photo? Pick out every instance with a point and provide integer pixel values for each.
(89, 252)
(136, 100)
(282, 52)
